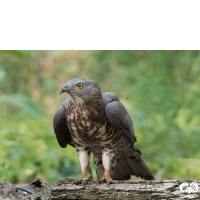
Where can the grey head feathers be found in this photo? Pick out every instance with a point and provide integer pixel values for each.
(83, 90)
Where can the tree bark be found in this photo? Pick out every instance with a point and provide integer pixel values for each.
(167, 189)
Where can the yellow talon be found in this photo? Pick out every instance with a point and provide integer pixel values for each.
(107, 177)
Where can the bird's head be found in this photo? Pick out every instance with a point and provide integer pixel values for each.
(82, 89)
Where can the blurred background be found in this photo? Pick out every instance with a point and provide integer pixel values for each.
(160, 89)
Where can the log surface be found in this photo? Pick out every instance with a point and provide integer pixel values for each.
(167, 189)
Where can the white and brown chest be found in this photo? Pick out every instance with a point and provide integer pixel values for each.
(84, 125)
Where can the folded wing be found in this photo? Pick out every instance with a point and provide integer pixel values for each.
(117, 115)
(60, 125)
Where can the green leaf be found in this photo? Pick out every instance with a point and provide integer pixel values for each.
(24, 102)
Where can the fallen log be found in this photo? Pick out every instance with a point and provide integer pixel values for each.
(138, 190)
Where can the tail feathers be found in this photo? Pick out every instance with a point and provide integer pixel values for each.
(134, 165)
(139, 169)
(121, 171)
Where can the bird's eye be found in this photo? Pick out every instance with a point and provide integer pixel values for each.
(79, 86)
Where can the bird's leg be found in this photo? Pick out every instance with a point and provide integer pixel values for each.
(84, 175)
(107, 158)
(83, 155)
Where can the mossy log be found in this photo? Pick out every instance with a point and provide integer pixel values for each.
(167, 189)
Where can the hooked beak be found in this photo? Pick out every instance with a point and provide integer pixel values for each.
(64, 89)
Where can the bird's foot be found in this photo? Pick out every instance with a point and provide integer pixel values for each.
(83, 181)
(106, 179)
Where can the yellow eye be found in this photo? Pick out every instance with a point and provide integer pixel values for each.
(79, 86)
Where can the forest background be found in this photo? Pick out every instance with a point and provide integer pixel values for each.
(160, 89)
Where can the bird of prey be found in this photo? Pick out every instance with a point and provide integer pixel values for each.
(98, 123)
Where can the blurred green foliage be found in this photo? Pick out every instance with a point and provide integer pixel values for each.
(160, 89)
